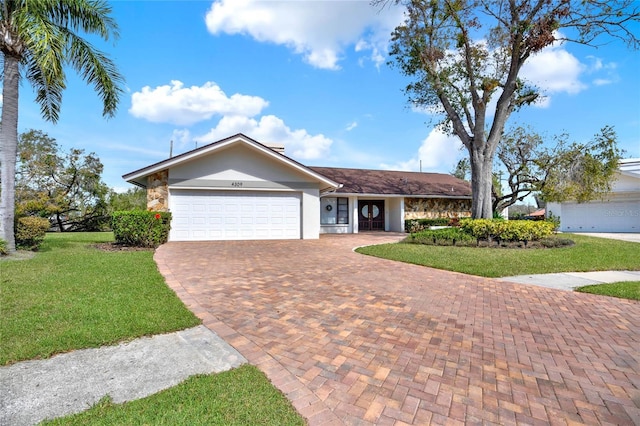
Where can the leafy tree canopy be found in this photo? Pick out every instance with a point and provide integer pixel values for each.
(133, 199)
(564, 171)
(65, 187)
(464, 59)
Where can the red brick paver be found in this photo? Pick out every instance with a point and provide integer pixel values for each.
(356, 340)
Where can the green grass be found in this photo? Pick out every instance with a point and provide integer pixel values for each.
(242, 396)
(623, 290)
(588, 254)
(72, 296)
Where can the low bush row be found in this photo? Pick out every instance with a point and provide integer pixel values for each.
(489, 231)
(140, 228)
(417, 225)
(443, 237)
(507, 230)
(132, 228)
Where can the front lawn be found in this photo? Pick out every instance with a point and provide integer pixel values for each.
(70, 295)
(588, 254)
(242, 396)
(622, 290)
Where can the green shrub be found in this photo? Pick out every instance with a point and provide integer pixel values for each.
(440, 237)
(417, 225)
(30, 232)
(507, 230)
(141, 228)
(3, 248)
(555, 220)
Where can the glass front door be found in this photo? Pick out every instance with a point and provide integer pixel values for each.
(371, 215)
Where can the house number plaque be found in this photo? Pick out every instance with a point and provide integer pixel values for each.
(236, 184)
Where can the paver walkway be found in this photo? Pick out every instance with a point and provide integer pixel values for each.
(356, 340)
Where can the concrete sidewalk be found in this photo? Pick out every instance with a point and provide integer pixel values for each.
(33, 391)
(571, 280)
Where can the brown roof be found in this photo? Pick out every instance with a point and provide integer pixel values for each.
(537, 213)
(386, 182)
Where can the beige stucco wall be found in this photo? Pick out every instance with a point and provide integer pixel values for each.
(237, 163)
(158, 192)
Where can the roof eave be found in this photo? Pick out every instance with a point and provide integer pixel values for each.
(364, 194)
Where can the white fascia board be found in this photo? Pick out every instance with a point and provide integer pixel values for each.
(361, 195)
(633, 174)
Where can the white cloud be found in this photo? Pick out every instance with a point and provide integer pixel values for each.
(352, 126)
(602, 82)
(555, 70)
(181, 137)
(299, 144)
(321, 31)
(184, 106)
(609, 69)
(438, 153)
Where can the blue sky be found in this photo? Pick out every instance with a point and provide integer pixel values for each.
(311, 75)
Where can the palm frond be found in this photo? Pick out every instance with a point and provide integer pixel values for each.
(46, 37)
(96, 69)
(88, 16)
(48, 91)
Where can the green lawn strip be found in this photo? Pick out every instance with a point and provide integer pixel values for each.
(243, 396)
(72, 296)
(588, 254)
(623, 290)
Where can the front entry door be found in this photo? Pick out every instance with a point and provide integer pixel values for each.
(371, 215)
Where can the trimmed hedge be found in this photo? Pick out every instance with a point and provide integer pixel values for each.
(442, 237)
(507, 230)
(30, 232)
(417, 225)
(141, 228)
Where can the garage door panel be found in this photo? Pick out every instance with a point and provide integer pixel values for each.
(615, 216)
(220, 215)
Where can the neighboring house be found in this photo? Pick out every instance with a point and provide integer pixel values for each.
(240, 189)
(618, 211)
(536, 215)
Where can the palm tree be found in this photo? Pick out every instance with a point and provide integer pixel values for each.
(40, 38)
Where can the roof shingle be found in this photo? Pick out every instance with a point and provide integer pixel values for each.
(386, 182)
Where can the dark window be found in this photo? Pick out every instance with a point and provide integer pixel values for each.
(334, 211)
(343, 211)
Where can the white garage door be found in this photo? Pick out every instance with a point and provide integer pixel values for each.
(618, 216)
(234, 215)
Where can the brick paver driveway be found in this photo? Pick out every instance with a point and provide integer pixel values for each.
(352, 339)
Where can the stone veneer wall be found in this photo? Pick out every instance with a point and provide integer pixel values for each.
(432, 208)
(158, 192)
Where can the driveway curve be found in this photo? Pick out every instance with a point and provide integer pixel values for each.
(352, 339)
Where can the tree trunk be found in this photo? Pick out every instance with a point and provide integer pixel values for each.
(8, 151)
(481, 183)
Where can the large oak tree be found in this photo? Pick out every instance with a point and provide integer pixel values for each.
(465, 56)
(65, 188)
(39, 40)
(558, 171)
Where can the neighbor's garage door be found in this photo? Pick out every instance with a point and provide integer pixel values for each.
(615, 216)
(234, 215)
